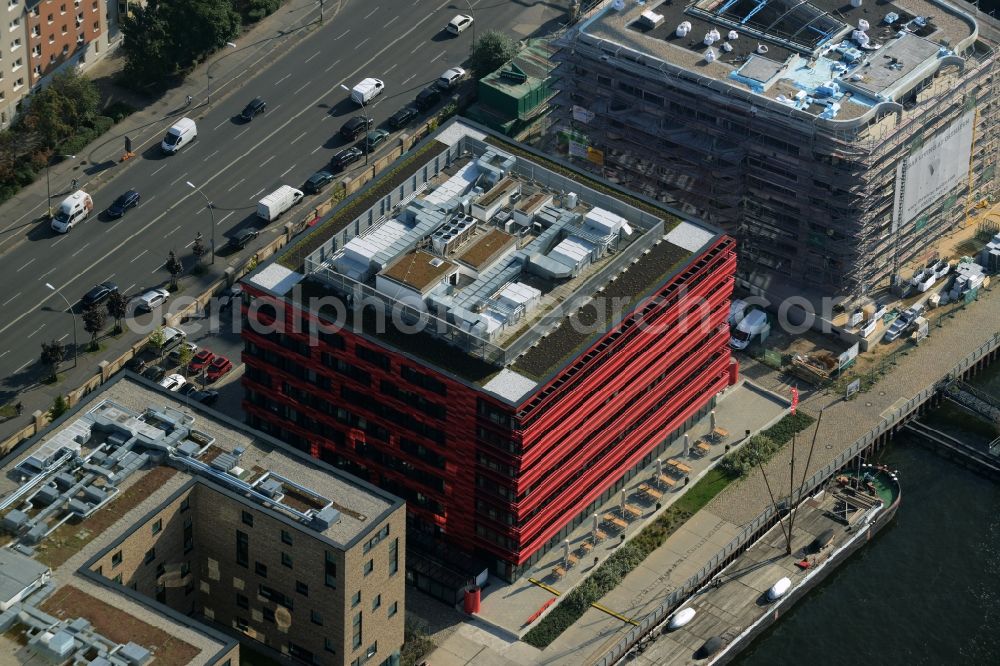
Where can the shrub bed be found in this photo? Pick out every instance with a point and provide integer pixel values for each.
(761, 447)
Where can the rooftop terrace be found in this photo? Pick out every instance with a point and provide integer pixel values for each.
(488, 257)
(825, 57)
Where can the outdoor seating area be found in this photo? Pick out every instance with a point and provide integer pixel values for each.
(701, 448)
(679, 466)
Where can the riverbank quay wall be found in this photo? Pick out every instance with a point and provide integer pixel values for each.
(890, 421)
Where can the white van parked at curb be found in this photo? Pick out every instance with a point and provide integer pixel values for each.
(274, 204)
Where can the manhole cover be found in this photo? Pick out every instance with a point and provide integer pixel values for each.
(868, 404)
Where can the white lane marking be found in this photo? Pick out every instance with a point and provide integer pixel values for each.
(391, 20)
(11, 298)
(302, 87)
(47, 272)
(128, 288)
(179, 178)
(282, 78)
(221, 124)
(59, 240)
(108, 278)
(361, 43)
(159, 170)
(5, 353)
(23, 367)
(343, 34)
(82, 248)
(223, 219)
(156, 269)
(315, 150)
(65, 335)
(243, 132)
(335, 63)
(256, 193)
(408, 79)
(298, 137)
(172, 231)
(267, 160)
(137, 256)
(438, 56)
(30, 261)
(32, 334)
(389, 70)
(307, 108)
(235, 185)
(416, 48)
(286, 171)
(369, 14)
(312, 56)
(210, 156)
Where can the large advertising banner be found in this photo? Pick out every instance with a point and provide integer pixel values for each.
(937, 167)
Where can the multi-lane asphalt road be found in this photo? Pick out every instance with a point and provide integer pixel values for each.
(402, 42)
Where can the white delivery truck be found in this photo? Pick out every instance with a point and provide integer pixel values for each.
(274, 204)
(73, 209)
(367, 90)
(753, 325)
(183, 132)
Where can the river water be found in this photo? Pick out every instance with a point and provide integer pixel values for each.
(926, 590)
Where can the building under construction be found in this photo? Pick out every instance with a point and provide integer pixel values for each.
(837, 140)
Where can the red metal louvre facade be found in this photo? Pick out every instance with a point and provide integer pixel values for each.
(506, 481)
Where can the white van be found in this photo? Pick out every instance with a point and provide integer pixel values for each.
(753, 325)
(73, 209)
(367, 90)
(274, 204)
(183, 132)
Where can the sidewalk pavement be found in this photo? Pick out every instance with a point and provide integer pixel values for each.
(689, 548)
(230, 69)
(494, 632)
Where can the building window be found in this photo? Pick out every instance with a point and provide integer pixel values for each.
(356, 631)
(242, 549)
(372, 649)
(316, 618)
(328, 645)
(302, 588)
(157, 526)
(188, 534)
(369, 566)
(393, 608)
(330, 571)
(116, 559)
(161, 569)
(286, 560)
(260, 569)
(376, 602)
(150, 556)
(118, 579)
(248, 519)
(268, 614)
(356, 599)
(394, 557)
(185, 504)
(286, 537)
(242, 601)
(375, 358)
(371, 543)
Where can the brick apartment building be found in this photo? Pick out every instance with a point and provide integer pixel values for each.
(42, 37)
(504, 421)
(236, 536)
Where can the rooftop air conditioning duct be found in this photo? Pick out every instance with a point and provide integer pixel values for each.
(683, 29)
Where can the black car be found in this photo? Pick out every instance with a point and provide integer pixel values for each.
(241, 239)
(346, 157)
(128, 200)
(154, 373)
(98, 294)
(254, 108)
(402, 118)
(317, 182)
(427, 98)
(206, 397)
(355, 127)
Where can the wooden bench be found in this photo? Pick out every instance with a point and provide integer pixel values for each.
(703, 448)
(600, 535)
(633, 511)
(571, 560)
(586, 547)
(720, 434)
(558, 571)
(666, 480)
(679, 466)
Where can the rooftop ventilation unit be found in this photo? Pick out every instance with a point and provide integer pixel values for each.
(683, 29)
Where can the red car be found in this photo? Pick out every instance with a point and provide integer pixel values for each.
(219, 366)
(200, 361)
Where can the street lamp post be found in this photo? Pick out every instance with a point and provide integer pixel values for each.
(364, 110)
(208, 73)
(211, 212)
(70, 308)
(473, 13)
(48, 187)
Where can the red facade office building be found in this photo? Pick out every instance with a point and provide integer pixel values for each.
(497, 342)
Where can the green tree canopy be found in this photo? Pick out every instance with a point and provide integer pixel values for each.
(57, 111)
(492, 50)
